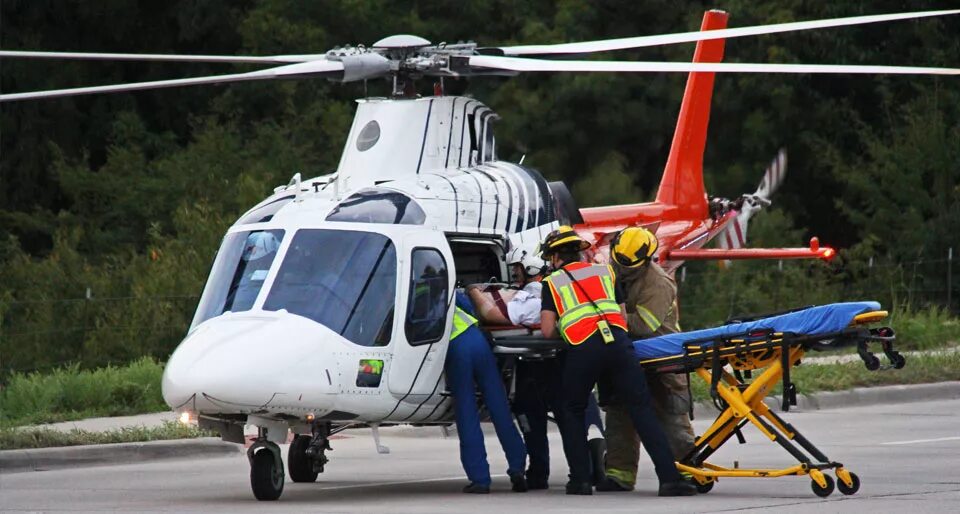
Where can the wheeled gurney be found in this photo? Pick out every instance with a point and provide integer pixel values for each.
(726, 356)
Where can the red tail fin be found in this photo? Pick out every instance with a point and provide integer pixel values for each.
(682, 183)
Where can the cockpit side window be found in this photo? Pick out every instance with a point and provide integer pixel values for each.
(429, 294)
(378, 205)
(238, 274)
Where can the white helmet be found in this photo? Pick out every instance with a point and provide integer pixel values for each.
(526, 257)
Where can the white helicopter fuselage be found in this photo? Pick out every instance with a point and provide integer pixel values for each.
(332, 297)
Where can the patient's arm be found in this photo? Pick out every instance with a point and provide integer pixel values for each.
(486, 307)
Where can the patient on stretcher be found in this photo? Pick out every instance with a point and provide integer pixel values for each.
(499, 304)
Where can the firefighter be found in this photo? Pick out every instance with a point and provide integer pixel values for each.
(470, 362)
(582, 303)
(651, 311)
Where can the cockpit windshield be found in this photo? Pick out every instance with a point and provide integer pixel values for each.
(345, 280)
(241, 267)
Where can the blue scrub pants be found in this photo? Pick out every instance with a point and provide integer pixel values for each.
(470, 363)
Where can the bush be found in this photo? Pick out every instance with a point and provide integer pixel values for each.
(16, 438)
(72, 393)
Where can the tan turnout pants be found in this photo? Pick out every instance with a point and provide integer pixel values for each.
(671, 403)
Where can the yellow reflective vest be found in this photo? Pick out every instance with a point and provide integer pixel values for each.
(461, 322)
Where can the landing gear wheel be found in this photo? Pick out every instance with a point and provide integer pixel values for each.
(704, 488)
(822, 492)
(853, 488)
(872, 363)
(299, 465)
(266, 478)
(598, 456)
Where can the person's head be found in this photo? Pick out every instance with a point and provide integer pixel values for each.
(562, 246)
(633, 247)
(524, 264)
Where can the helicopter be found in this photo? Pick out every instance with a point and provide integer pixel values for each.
(328, 304)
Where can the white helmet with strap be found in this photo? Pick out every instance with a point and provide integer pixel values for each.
(527, 257)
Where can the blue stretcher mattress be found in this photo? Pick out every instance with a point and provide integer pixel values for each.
(823, 319)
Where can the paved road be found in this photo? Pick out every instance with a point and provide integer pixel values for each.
(905, 454)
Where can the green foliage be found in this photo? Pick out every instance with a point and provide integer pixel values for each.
(126, 196)
(23, 438)
(70, 393)
(926, 329)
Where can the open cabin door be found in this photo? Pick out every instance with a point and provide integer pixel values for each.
(425, 309)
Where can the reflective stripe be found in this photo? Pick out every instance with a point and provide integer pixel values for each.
(568, 297)
(461, 322)
(625, 479)
(648, 318)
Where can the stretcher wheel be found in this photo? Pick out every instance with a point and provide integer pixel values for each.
(705, 488)
(822, 492)
(852, 489)
(897, 360)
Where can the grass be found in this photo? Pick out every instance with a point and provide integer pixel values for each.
(926, 329)
(71, 393)
(813, 378)
(21, 438)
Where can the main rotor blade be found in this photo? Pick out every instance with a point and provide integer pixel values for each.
(279, 59)
(689, 37)
(524, 64)
(291, 70)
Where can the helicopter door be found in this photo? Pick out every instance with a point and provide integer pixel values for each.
(426, 301)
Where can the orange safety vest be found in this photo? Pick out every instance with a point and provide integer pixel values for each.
(577, 316)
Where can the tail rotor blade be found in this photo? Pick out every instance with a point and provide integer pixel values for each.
(773, 176)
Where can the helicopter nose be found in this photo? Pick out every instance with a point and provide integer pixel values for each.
(237, 363)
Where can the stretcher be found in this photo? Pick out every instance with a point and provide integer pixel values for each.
(726, 356)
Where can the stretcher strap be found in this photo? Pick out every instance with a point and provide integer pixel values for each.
(498, 301)
(716, 366)
(787, 384)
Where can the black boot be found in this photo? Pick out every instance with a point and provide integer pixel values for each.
(580, 488)
(475, 488)
(609, 485)
(677, 488)
(536, 482)
(518, 482)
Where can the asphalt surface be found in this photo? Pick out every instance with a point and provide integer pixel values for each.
(905, 454)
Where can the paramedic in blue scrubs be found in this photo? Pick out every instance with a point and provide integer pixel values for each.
(470, 363)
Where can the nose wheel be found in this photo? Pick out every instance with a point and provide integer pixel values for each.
(266, 470)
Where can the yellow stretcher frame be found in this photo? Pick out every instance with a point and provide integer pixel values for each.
(743, 402)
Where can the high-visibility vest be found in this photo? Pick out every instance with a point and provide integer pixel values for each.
(578, 317)
(461, 322)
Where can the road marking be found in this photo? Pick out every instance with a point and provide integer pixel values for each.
(401, 482)
(917, 441)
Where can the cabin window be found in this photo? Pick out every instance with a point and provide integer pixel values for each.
(477, 262)
(489, 152)
(242, 265)
(378, 205)
(429, 297)
(344, 280)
